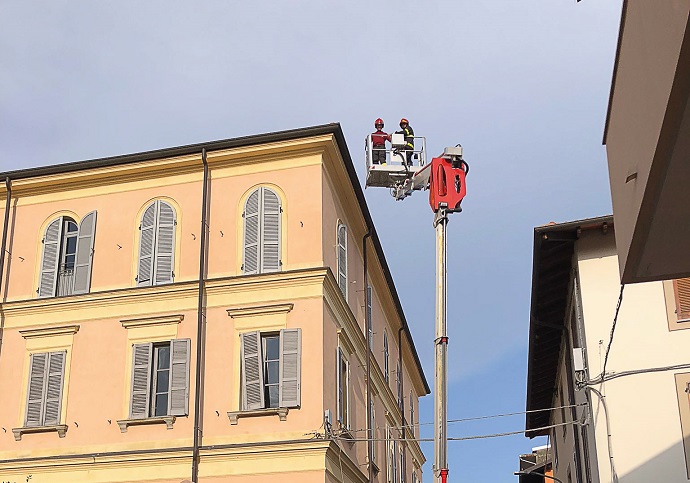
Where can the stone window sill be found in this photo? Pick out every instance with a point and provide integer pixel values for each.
(282, 413)
(60, 429)
(167, 420)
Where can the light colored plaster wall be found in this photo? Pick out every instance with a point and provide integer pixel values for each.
(121, 205)
(119, 209)
(643, 409)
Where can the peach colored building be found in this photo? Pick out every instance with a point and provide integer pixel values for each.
(213, 312)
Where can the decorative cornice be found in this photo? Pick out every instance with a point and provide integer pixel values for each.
(236, 313)
(173, 291)
(49, 331)
(152, 321)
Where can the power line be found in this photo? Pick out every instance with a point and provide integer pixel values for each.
(477, 418)
(461, 438)
(613, 329)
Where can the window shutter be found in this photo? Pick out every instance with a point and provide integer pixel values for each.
(179, 378)
(141, 380)
(290, 361)
(84, 259)
(164, 254)
(252, 371)
(51, 259)
(342, 259)
(146, 241)
(35, 396)
(250, 261)
(682, 289)
(270, 231)
(53, 397)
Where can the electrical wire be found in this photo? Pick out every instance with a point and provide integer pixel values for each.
(615, 375)
(613, 330)
(462, 438)
(478, 418)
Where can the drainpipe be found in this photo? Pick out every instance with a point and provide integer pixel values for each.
(3, 248)
(368, 328)
(200, 324)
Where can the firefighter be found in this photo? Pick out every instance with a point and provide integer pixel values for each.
(378, 141)
(407, 130)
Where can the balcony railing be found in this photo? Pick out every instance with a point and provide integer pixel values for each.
(65, 281)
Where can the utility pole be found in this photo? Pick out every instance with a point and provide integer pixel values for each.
(444, 177)
(441, 349)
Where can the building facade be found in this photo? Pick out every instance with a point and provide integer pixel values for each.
(215, 312)
(631, 425)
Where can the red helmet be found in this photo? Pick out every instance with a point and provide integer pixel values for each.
(378, 122)
(404, 121)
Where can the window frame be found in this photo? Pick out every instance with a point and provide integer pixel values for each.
(173, 405)
(343, 388)
(53, 279)
(155, 370)
(265, 336)
(261, 225)
(341, 258)
(289, 359)
(45, 390)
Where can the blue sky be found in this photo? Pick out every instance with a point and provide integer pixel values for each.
(522, 85)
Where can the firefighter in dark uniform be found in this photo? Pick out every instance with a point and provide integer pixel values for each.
(407, 130)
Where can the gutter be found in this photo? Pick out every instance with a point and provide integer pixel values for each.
(201, 313)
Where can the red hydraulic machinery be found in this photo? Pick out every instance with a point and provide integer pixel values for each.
(445, 179)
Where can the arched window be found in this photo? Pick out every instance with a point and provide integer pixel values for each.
(157, 244)
(67, 256)
(342, 258)
(261, 253)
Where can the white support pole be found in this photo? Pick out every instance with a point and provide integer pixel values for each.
(441, 350)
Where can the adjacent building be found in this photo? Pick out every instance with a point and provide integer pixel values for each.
(213, 312)
(647, 138)
(633, 424)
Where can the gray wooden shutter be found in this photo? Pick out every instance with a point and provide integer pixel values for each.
(178, 402)
(290, 362)
(252, 371)
(270, 231)
(35, 394)
(53, 395)
(342, 259)
(141, 380)
(250, 259)
(146, 243)
(84, 259)
(164, 254)
(51, 259)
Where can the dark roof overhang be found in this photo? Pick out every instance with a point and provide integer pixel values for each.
(552, 266)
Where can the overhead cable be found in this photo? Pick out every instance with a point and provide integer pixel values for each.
(461, 438)
(478, 418)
